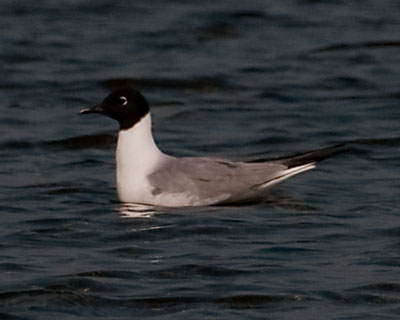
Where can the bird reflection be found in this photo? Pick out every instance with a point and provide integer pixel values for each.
(274, 200)
(133, 210)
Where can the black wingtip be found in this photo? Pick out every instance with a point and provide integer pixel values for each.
(313, 155)
(308, 156)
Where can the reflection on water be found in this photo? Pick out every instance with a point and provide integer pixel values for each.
(286, 201)
(272, 198)
(132, 210)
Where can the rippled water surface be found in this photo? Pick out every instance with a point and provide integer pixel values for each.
(224, 78)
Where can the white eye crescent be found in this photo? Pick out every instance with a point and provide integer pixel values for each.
(124, 100)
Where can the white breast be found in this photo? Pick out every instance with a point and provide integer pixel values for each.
(137, 156)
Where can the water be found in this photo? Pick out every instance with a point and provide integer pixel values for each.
(224, 78)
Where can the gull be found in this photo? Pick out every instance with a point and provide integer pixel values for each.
(146, 175)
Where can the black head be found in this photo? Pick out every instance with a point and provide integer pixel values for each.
(126, 105)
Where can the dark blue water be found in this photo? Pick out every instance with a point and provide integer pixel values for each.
(224, 78)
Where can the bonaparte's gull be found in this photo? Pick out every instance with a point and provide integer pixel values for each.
(146, 175)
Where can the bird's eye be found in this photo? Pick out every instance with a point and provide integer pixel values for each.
(123, 100)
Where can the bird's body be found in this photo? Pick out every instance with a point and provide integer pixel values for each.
(146, 175)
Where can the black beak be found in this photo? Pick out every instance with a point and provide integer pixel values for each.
(95, 109)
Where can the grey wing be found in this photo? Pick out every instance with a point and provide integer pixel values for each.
(213, 180)
(208, 181)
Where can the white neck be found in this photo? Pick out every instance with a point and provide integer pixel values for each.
(136, 156)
